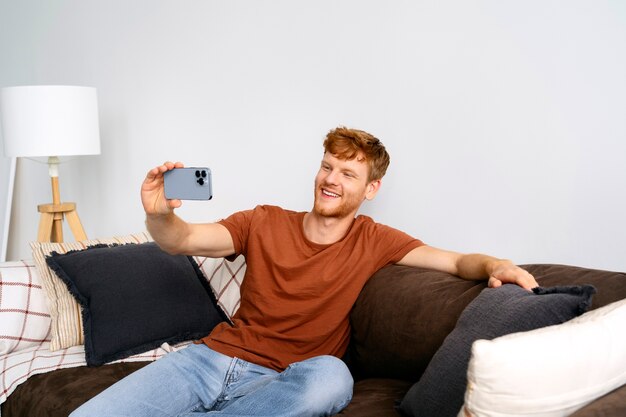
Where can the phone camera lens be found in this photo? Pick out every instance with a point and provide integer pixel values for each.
(203, 174)
(200, 181)
(197, 174)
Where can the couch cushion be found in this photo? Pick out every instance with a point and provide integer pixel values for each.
(135, 298)
(572, 365)
(66, 321)
(495, 312)
(58, 393)
(375, 397)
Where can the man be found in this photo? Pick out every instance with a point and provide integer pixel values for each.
(304, 272)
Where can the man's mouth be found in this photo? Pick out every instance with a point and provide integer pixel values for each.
(329, 194)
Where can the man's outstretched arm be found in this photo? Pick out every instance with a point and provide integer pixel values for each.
(470, 266)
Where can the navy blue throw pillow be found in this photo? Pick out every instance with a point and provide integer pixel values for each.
(495, 312)
(136, 297)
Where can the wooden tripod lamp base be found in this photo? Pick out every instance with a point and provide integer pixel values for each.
(51, 220)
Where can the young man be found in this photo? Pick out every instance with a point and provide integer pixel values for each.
(304, 273)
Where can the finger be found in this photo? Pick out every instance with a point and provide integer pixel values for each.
(528, 282)
(494, 282)
(174, 204)
(167, 165)
(153, 173)
(157, 172)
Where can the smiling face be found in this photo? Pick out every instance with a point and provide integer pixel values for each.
(342, 185)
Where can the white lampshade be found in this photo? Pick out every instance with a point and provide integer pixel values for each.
(49, 121)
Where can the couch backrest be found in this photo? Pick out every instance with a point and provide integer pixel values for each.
(403, 314)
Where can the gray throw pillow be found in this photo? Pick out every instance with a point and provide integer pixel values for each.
(494, 313)
(135, 298)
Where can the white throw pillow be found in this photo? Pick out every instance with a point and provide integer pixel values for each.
(24, 315)
(549, 372)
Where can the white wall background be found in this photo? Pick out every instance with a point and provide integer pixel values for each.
(505, 120)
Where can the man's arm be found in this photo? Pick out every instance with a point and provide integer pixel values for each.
(173, 234)
(470, 267)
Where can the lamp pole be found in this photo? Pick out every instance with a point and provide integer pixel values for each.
(51, 221)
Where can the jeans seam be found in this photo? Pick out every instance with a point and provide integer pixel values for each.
(234, 373)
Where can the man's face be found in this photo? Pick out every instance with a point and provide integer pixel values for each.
(341, 186)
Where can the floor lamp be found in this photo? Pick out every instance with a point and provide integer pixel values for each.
(51, 121)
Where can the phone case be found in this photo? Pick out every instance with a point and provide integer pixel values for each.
(188, 184)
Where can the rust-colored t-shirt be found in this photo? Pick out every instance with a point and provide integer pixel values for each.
(297, 295)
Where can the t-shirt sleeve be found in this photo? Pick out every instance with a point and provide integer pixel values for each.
(394, 244)
(415, 243)
(238, 225)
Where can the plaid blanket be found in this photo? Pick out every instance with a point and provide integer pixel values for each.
(17, 367)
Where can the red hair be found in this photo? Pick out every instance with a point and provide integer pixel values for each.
(347, 144)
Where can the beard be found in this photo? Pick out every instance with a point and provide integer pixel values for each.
(348, 205)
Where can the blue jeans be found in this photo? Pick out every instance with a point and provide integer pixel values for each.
(199, 381)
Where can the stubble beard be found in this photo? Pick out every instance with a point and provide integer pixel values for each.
(344, 209)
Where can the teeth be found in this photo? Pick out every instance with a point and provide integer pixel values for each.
(328, 193)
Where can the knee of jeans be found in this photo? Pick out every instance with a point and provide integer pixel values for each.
(329, 383)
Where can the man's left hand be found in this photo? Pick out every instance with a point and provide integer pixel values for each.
(505, 272)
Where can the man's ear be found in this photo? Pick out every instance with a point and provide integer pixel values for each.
(372, 189)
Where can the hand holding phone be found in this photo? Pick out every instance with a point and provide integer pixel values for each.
(188, 184)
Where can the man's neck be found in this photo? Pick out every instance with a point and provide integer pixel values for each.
(326, 230)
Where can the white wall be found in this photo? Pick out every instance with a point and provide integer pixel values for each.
(505, 120)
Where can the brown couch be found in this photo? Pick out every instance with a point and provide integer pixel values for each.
(399, 321)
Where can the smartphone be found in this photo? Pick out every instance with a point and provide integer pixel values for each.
(188, 184)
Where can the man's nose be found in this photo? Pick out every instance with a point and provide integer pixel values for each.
(332, 177)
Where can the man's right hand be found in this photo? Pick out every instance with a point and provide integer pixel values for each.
(170, 232)
(152, 191)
